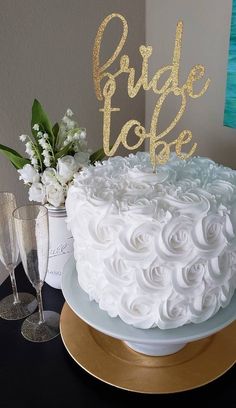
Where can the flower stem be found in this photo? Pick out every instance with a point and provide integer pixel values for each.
(39, 156)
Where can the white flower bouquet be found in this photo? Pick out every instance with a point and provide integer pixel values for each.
(55, 154)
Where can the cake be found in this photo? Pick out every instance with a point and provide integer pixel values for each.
(155, 248)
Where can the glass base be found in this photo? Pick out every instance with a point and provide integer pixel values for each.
(15, 311)
(32, 330)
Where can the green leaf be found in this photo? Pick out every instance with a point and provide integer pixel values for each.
(15, 158)
(64, 151)
(55, 129)
(97, 156)
(40, 117)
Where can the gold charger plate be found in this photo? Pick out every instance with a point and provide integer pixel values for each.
(113, 362)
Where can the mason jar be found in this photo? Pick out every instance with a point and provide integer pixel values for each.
(60, 245)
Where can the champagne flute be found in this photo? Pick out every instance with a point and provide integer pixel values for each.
(32, 232)
(17, 305)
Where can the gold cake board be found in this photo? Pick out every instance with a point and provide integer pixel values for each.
(113, 362)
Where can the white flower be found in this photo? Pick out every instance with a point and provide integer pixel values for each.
(69, 138)
(83, 134)
(23, 138)
(82, 159)
(45, 135)
(69, 112)
(40, 134)
(76, 136)
(37, 193)
(83, 146)
(70, 124)
(34, 161)
(47, 161)
(67, 166)
(55, 194)
(29, 149)
(36, 126)
(49, 176)
(76, 148)
(29, 174)
(43, 143)
(46, 154)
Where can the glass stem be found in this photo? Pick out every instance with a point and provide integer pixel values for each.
(40, 306)
(14, 287)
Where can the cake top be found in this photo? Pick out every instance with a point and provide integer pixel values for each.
(199, 183)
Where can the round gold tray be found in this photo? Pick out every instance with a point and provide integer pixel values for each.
(112, 361)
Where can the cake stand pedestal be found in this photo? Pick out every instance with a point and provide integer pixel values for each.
(155, 349)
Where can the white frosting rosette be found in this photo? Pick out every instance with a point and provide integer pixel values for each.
(155, 280)
(109, 300)
(138, 310)
(88, 278)
(222, 189)
(172, 312)
(137, 242)
(174, 242)
(189, 280)
(104, 231)
(208, 235)
(155, 249)
(118, 272)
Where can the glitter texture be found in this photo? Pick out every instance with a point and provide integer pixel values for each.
(159, 148)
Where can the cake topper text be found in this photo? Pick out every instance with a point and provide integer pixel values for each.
(159, 148)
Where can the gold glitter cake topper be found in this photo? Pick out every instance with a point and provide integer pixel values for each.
(159, 148)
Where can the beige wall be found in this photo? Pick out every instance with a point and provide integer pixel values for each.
(205, 41)
(46, 52)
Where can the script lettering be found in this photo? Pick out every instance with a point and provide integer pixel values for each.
(159, 148)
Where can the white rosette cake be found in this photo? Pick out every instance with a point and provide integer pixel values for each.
(155, 249)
